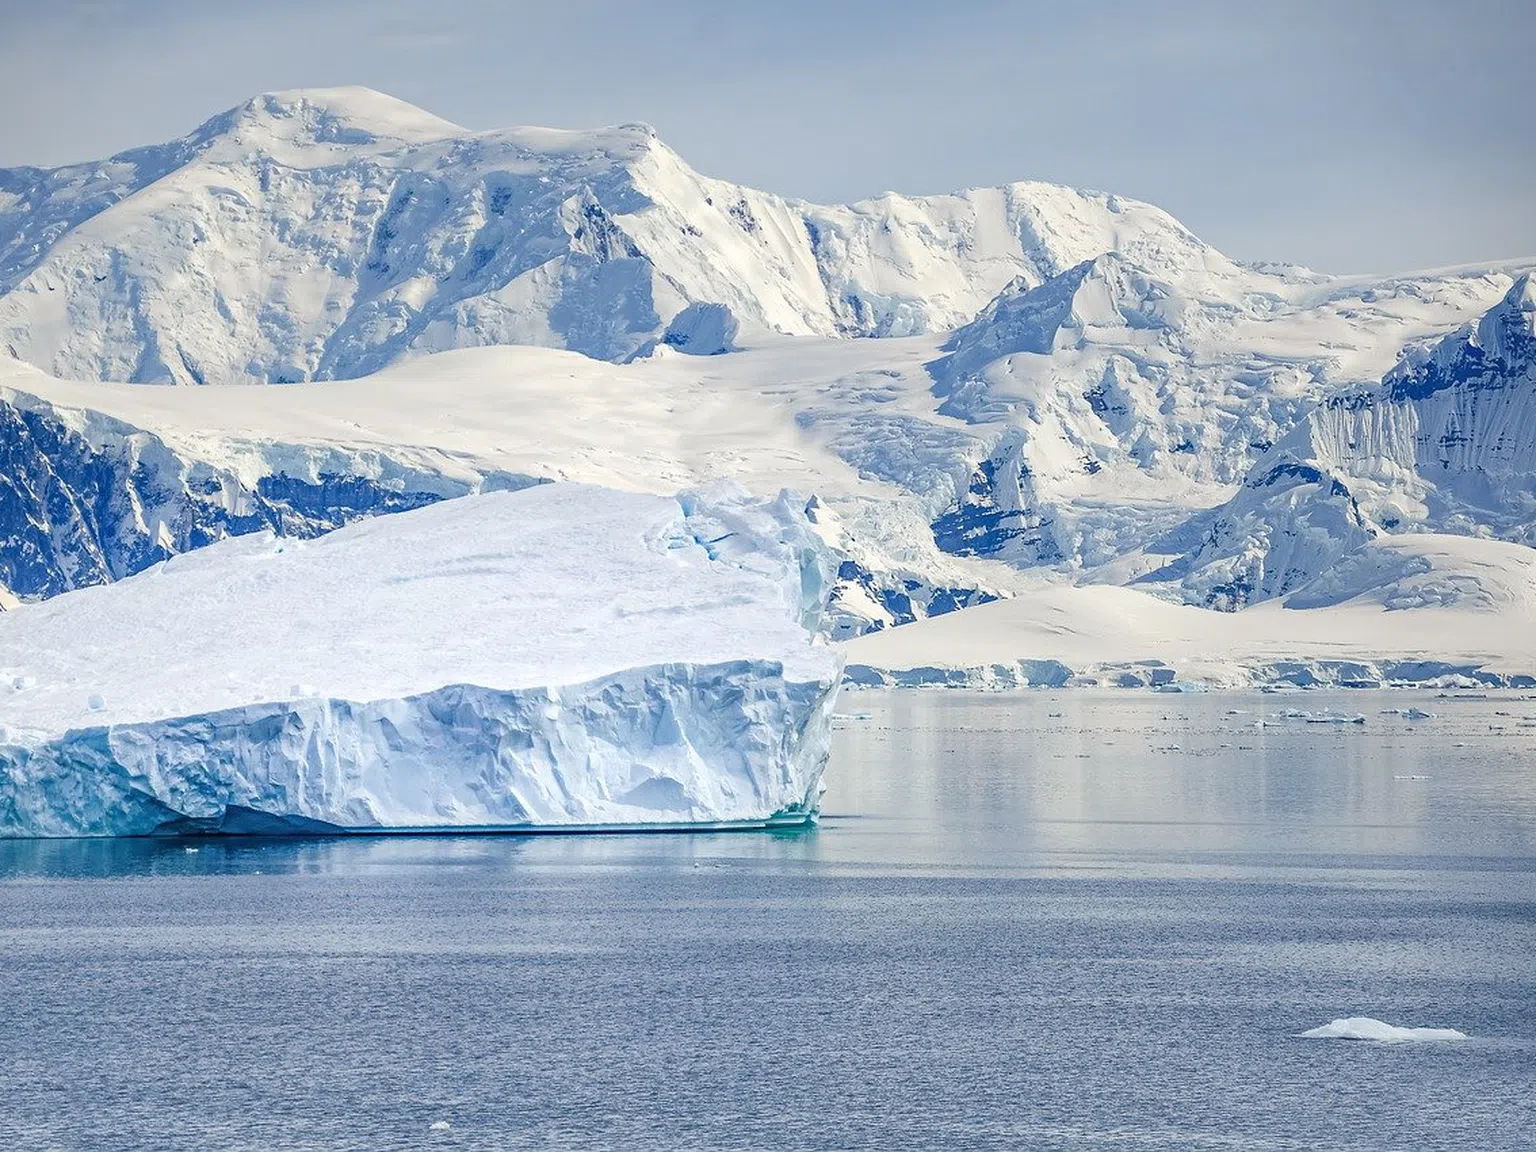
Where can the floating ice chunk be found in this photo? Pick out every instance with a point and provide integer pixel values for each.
(1323, 717)
(440, 1126)
(541, 658)
(1409, 713)
(1367, 1028)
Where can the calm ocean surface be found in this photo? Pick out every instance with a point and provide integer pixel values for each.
(1038, 920)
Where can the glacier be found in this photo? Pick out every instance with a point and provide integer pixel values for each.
(103, 480)
(562, 656)
(1444, 443)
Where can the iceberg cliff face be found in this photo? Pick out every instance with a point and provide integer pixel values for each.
(454, 669)
(667, 744)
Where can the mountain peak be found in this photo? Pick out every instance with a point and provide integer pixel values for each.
(337, 116)
(1508, 332)
(434, 236)
(1498, 351)
(1105, 292)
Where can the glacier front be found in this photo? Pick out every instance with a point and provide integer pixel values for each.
(557, 657)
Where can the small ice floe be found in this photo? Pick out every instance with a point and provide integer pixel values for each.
(440, 1126)
(1323, 717)
(1410, 777)
(1409, 713)
(1367, 1028)
(853, 715)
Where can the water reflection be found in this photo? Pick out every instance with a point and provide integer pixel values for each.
(1003, 777)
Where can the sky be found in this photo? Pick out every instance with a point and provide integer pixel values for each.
(1349, 135)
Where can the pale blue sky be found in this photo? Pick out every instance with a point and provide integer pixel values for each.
(1352, 135)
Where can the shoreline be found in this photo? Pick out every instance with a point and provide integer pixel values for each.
(1279, 675)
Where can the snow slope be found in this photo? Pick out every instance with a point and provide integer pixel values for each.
(1422, 609)
(478, 662)
(323, 233)
(98, 481)
(1445, 443)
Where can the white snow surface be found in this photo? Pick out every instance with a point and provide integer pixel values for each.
(1368, 1028)
(851, 421)
(1450, 610)
(1446, 442)
(560, 655)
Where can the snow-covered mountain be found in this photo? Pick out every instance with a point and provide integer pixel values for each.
(1065, 382)
(1445, 443)
(1128, 400)
(322, 234)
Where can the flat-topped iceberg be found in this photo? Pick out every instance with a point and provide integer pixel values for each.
(1369, 1028)
(560, 656)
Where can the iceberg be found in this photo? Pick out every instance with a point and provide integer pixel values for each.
(559, 657)
(1368, 1028)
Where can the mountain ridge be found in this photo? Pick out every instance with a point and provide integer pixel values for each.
(319, 234)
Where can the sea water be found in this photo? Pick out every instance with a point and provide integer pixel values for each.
(1027, 920)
